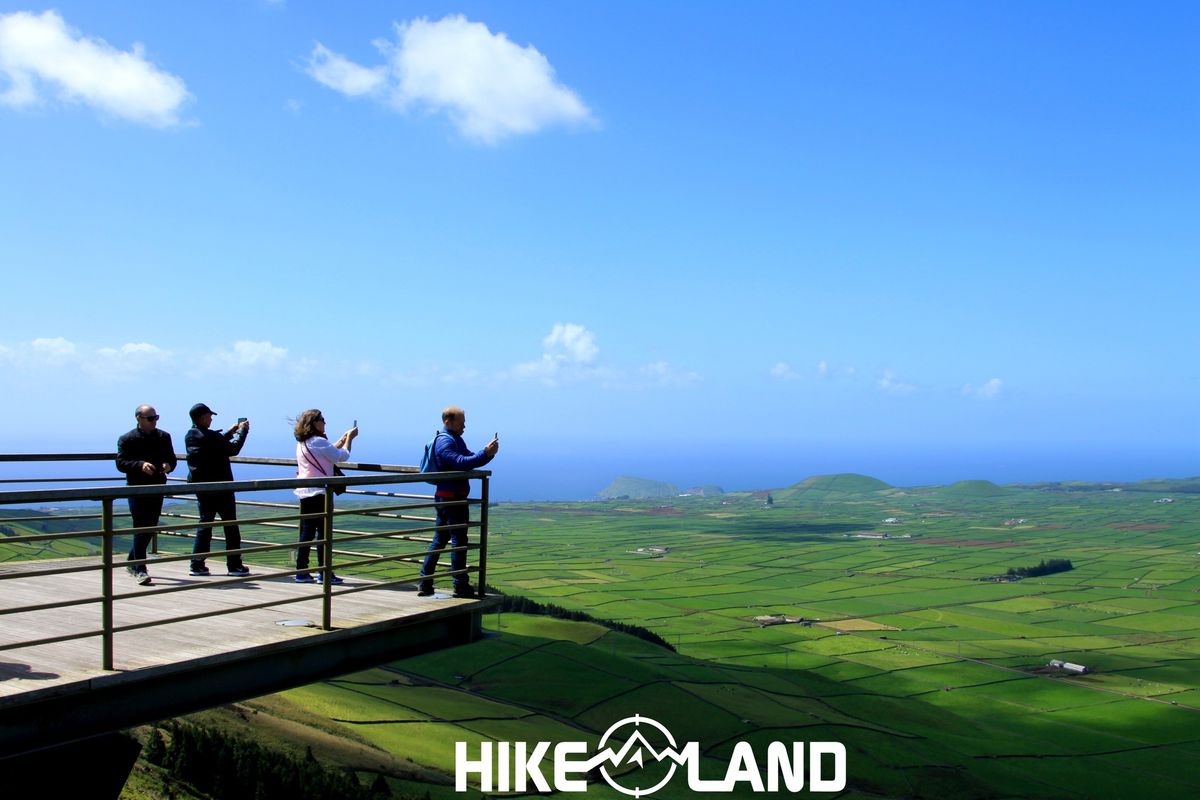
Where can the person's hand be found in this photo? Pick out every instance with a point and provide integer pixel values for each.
(492, 447)
(148, 468)
(245, 426)
(350, 435)
(166, 468)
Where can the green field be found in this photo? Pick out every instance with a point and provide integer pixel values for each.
(932, 672)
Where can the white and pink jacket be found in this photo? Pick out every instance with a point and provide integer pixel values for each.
(315, 457)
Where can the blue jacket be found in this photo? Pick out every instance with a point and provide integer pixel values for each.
(453, 455)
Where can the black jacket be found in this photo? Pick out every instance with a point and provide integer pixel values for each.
(135, 447)
(209, 451)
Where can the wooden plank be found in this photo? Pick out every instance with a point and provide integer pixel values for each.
(29, 668)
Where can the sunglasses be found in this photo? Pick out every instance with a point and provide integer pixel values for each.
(153, 418)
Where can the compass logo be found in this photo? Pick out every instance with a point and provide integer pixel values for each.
(635, 749)
(646, 761)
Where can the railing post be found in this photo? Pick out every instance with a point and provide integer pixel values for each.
(106, 585)
(327, 570)
(483, 536)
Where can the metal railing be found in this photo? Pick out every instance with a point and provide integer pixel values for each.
(402, 530)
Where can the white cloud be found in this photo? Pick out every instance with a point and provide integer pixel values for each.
(342, 75)
(114, 363)
(783, 371)
(663, 374)
(40, 51)
(889, 383)
(490, 87)
(247, 355)
(103, 363)
(569, 356)
(988, 390)
(57, 349)
(572, 341)
(568, 353)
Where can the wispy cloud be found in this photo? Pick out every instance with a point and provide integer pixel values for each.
(247, 356)
(490, 87)
(891, 384)
(56, 350)
(988, 390)
(782, 371)
(663, 374)
(343, 75)
(38, 356)
(133, 358)
(40, 53)
(570, 355)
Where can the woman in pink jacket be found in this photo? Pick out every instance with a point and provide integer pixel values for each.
(315, 458)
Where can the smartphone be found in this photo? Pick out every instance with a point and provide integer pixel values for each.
(496, 436)
(355, 423)
(241, 420)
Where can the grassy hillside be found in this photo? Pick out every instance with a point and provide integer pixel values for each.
(973, 489)
(831, 487)
(637, 488)
(958, 732)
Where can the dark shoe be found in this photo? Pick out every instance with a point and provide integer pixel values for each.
(465, 593)
(303, 577)
(237, 572)
(425, 590)
(199, 570)
(334, 579)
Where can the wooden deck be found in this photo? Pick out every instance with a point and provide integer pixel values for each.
(198, 642)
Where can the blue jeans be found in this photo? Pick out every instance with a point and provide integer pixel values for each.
(311, 529)
(448, 515)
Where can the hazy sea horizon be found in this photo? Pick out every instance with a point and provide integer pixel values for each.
(535, 474)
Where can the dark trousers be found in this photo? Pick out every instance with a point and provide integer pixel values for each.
(213, 505)
(448, 515)
(145, 512)
(311, 529)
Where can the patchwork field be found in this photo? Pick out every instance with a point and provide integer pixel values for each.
(908, 645)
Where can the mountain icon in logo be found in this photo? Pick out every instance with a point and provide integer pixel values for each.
(636, 749)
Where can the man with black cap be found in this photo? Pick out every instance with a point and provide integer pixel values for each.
(208, 454)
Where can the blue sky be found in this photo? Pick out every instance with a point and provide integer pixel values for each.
(859, 236)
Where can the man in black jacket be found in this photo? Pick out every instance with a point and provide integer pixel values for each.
(208, 454)
(145, 455)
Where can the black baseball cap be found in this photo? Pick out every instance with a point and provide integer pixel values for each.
(201, 408)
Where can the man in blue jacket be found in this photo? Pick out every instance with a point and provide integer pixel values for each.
(453, 514)
(208, 454)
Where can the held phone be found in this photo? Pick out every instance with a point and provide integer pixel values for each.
(356, 423)
(241, 420)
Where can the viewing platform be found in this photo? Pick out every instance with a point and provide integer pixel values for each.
(85, 650)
